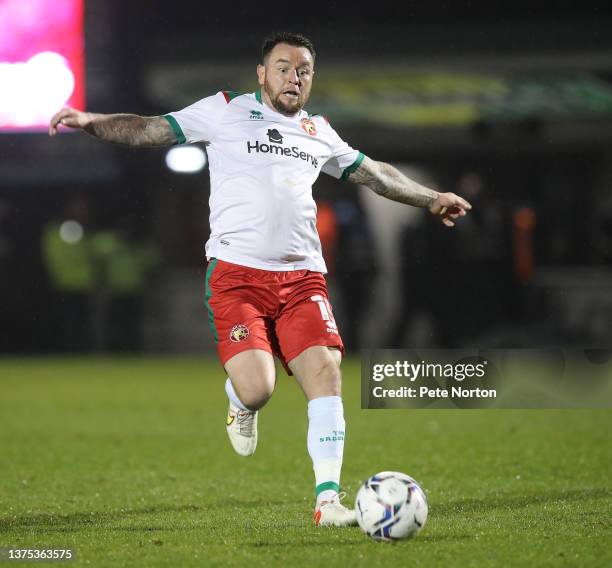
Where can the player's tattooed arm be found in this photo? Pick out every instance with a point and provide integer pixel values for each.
(389, 182)
(132, 130)
(128, 129)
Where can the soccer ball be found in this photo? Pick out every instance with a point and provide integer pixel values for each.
(391, 505)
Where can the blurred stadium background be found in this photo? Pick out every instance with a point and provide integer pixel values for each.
(101, 247)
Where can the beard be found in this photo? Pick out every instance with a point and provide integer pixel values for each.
(288, 108)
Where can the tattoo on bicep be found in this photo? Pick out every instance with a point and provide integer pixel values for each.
(158, 132)
(365, 174)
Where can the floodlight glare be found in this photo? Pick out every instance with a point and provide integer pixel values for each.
(33, 91)
(186, 159)
(71, 232)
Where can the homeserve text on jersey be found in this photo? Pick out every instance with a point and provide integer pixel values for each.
(415, 371)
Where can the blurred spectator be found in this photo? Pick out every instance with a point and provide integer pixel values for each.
(327, 227)
(416, 274)
(125, 263)
(457, 277)
(355, 266)
(602, 232)
(67, 255)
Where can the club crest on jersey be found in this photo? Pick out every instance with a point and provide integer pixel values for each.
(239, 333)
(309, 126)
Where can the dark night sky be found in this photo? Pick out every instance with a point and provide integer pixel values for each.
(189, 29)
(191, 15)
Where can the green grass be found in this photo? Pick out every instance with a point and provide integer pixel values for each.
(127, 463)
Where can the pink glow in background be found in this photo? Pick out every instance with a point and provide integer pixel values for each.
(28, 27)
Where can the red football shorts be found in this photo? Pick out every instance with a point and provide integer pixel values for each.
(282, 313)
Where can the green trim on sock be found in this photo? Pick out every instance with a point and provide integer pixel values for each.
(327, 485)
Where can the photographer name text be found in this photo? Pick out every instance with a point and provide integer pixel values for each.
(415, 371)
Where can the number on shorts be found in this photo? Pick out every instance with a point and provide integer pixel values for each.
(326, 311)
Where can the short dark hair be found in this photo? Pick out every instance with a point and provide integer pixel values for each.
(286, 37)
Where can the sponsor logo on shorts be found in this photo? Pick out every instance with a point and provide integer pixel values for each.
(309, 126)
(239, 333)
(330, 330)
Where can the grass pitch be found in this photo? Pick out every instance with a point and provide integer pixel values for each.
(127, 463)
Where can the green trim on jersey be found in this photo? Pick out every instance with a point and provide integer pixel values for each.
(211, 316)
(258, 96)
(317, 114)
(348, 171)
(327, 485)
(180, 137)
(230, 95)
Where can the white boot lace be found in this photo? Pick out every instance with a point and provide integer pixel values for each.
(246, 422)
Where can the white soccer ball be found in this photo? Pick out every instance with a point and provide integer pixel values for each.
(390, 506)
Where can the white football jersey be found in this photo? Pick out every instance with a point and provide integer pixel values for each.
(262, 167)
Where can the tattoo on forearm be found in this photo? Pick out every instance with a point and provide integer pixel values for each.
(132, 130)
(389, 182)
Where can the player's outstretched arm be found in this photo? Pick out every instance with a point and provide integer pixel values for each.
(384, 179)
(129, 129)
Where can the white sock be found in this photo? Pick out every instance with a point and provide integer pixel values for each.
(231, 394)
(326, 444)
